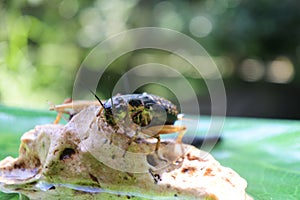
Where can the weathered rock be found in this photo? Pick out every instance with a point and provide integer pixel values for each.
(87, 159)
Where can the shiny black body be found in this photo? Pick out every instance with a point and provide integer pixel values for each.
(142, 109)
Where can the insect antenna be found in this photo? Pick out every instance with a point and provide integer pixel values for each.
(97, 98)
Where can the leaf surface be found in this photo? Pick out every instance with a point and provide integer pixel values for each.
(263, 151)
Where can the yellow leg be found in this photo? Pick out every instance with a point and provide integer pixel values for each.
(60, 113)
(57, 119)
(157, 143)
(165, 129)
(156, 131)
(59, 116)
(99, 113)
(180, 136)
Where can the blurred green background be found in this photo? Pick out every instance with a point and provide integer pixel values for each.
(256, 45)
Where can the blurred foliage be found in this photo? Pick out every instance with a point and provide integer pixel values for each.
(43, 43)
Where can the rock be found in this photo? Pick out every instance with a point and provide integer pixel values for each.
(87, 159)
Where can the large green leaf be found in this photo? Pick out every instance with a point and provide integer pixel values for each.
(265, 152)
(13, 123)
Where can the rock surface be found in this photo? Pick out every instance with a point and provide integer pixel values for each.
(87, 159)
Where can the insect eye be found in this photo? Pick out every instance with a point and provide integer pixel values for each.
(135, 102)
(146, 97)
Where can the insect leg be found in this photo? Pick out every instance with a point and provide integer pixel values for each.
(58, 118)
(166, 129)
(60, 110)
(133, 138)
(180, 135)
(156, 131)
(60, 115)
(157, 143)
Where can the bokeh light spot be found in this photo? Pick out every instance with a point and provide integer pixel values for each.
(68, 8)
(281, 70)
(200, 26)
(252, 70)
(167, 17)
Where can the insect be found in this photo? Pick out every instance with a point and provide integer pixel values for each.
(70, 108)
(150, 114)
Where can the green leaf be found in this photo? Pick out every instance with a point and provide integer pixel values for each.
(13, 123)
(264, 152)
